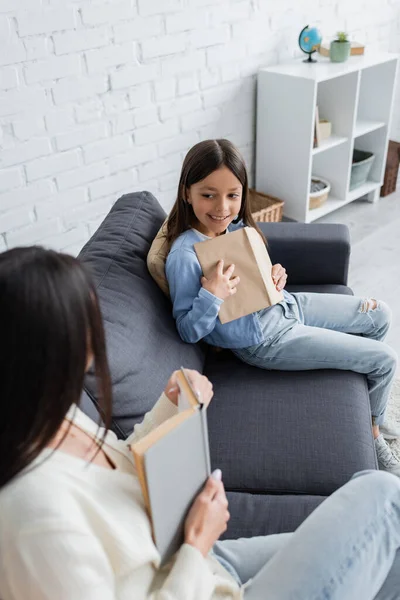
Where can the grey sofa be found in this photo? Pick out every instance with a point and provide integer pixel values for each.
(284, 440)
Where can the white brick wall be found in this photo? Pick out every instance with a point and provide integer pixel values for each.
(102, 98)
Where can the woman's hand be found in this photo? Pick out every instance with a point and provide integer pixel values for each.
(200, 384)
(208, 516)
(220, 284)
(279, 276)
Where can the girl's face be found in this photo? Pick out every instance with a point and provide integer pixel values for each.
(216, 201)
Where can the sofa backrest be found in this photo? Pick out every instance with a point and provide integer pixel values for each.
(143, 345)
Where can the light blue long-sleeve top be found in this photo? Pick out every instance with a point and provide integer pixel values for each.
(196, 309)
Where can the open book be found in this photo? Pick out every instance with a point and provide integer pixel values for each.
(173, 464)
(246, 250)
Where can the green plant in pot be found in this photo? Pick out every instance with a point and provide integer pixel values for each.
(340, 48)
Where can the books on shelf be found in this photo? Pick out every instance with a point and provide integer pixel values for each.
(322, 129)
(356, 49)
(173, 464)
(247, 251)
(317, 130)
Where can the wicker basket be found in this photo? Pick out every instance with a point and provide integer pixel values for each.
(392, 169)
(265, 208)
(317, 199)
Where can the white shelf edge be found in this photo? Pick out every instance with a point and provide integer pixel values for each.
(362, 190)
(330, 205)
(324, 69)
(363, 127)
(333, 203)
(330, 142)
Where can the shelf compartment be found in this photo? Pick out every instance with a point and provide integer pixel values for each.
(375, 142)
(362, 190)
(364, 126)
(333, 166)
(336, 101)
(376, 92)
(331, 142)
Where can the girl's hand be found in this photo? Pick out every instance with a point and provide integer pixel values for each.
(220, 284)
(208, 516)
(200, 384)
(279, 276)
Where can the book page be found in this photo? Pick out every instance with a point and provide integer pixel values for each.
(264, 264)
(187, 397)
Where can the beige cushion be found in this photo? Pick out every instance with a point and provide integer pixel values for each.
(156, 259)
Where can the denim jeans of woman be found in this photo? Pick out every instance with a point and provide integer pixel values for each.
(347, 549)
(329, 331)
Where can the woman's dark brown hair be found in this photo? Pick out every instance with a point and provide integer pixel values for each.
(201, 160)
(50, 323)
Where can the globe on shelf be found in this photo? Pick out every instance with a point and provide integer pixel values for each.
(309, 41)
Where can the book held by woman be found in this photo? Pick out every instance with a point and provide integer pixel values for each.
(173, 464)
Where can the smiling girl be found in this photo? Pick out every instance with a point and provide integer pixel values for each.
(304, 331)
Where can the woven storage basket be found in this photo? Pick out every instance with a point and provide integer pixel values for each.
(264, 207)
(317, 199)
(392, 169)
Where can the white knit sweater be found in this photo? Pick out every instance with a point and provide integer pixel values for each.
(70, 530)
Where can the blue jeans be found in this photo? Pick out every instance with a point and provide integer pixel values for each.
(328, 331)
(347, 549)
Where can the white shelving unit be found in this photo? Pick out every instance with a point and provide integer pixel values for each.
(356, 96)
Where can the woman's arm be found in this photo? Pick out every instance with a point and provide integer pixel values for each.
(57, 562)
(65, 559)
(161, 411)
(66, 564)
(206, 521)
(167, 405)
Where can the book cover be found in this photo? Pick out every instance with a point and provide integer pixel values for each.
(173, 464)
(246, 250)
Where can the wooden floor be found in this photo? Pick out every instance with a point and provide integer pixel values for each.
(375, 257)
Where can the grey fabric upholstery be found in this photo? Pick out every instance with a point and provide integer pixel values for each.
(283, 440)
(256, 514)
(321, 289)
(289, 451)
(142, 342)
(312, 254)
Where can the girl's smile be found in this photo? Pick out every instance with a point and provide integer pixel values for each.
(216, 201)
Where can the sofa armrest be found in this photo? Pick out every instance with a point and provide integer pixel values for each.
(310, 253)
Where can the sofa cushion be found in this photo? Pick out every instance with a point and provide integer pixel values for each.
(265, 514)
(292, 432)
(312, 253)
(329, 288)
(143, 345)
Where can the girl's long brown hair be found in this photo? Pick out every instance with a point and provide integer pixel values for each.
(50, 322)
(201, 160)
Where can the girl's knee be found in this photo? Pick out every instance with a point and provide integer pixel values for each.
(384, 359)
(385, 309)
(380, 308)
(384, 312)
(390, 359)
